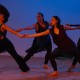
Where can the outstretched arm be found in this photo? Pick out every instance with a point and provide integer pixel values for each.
(11, 30)
(38, 34)
(73, 25)
(26, 28)
(71, 28)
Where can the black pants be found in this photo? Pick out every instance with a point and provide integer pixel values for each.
(62, 53)
(78, 50)
(6, 44)
(34, 49)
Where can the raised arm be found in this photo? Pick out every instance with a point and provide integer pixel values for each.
(38, 34)
(11, 30)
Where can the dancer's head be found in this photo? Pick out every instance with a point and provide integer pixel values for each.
(4, 14)
(55, 21)
(40, 16)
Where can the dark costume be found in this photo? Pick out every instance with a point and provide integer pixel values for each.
(6, 45)
(78, 44)
(66, 47)
(40, 44)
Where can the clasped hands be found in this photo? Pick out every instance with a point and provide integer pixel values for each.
(25, 36)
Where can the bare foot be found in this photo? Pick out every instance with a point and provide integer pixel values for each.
(71, 67)
(55, 73)
(46, 66)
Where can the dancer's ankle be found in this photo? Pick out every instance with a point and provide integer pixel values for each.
(46, 66)
(71, 67)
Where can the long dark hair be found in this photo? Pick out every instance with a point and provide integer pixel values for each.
(58, 19)
(4, 12)
(41, 15)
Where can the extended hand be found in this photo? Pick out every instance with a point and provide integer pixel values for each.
(67, 24)
(18, 30)
(21, 36)
(26, 36)
(78, 27)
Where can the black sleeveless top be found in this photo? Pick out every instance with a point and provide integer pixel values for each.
(3, 32)
(62, 40)
(43, 40)
(78, 44)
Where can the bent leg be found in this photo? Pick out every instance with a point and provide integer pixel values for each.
(31, 51)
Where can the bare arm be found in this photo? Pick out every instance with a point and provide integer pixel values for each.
(38, 34)
(30, 27)
(11, 30)
(27, 28)
(76, 25)
(71, 28)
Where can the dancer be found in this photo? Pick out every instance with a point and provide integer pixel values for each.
(5, 43)
(66, 47)
(39, 43)
(78, 48)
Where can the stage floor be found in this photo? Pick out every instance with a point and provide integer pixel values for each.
(9, 70)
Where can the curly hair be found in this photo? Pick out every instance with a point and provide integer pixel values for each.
(4, 12)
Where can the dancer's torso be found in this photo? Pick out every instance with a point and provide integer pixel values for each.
(43, 40)
(3, 32)
(62, 40)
